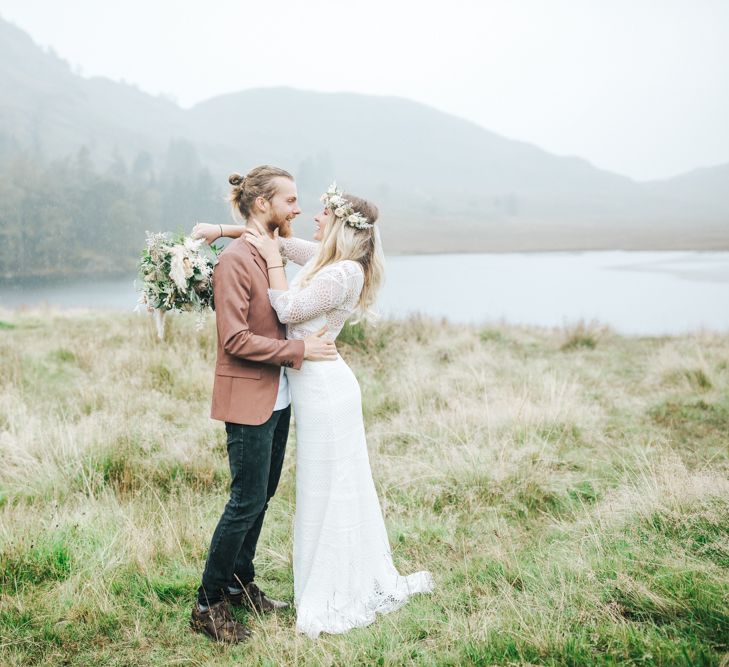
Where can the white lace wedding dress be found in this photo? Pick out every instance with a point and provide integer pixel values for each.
(343, 569)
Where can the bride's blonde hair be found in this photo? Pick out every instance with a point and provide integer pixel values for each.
(342, 241)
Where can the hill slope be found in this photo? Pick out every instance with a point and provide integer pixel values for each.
(424, 168)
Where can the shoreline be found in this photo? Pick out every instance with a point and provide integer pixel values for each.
(586, 327)
(60, 279)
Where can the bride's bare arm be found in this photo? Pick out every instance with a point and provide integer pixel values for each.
(204, 230)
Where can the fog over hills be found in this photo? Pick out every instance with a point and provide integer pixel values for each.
(442, 183)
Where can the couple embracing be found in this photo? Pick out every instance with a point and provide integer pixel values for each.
(275, 351)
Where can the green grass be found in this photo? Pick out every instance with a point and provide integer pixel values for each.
(568, 489)
(33, 561)
(582, 335)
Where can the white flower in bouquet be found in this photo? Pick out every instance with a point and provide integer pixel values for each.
(177, 267)
(175, 273)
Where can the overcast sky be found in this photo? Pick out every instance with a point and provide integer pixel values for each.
(640, 87)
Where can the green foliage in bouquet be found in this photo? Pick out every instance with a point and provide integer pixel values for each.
(176, 273)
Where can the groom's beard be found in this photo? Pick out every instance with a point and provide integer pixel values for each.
(283, 225)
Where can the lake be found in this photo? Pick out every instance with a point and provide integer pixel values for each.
(647, 293)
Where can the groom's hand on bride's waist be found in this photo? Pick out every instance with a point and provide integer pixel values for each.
(318, 348)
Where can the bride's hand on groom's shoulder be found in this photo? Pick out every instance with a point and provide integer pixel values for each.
(267, 247)
(203, 230)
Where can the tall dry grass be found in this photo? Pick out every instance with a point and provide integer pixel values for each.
(570, 498)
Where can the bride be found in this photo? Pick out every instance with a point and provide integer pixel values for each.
(343, 569)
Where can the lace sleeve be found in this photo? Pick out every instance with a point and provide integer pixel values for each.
(297, 250)
(332, 287)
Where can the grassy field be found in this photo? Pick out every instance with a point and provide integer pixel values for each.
(568, 489)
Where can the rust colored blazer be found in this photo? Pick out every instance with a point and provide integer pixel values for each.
(252, 343)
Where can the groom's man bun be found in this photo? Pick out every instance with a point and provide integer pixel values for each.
(258, 182)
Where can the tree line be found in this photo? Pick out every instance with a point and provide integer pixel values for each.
(68, 218)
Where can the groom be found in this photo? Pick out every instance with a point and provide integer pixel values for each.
(251, 396)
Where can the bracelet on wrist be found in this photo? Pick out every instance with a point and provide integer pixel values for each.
(278, 266)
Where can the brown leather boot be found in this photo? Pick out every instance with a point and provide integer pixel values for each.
(217, 623)
(253, 598)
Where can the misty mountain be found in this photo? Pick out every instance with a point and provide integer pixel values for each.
(52, 111)
(425, 168)
(388, 142)
(706, 187)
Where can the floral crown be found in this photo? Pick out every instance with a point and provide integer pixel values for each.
(343, 209)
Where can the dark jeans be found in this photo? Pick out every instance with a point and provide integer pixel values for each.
(255, 454)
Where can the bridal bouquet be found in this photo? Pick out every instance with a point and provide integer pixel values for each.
(176, 273)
